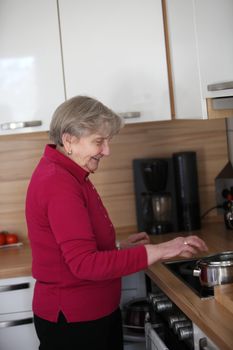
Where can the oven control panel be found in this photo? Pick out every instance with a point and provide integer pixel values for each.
(178, 332)
(177, 327)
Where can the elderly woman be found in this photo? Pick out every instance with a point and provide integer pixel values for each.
(76, 263)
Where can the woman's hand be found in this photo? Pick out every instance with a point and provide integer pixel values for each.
(135, 239)
(185, 247)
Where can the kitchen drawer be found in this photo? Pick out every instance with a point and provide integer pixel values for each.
(17, 332)
(16, 294)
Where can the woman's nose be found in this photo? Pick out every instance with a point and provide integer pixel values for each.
(106, 148)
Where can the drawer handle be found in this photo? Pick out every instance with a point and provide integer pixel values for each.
(11, 287)
(13, 323)
(20, 125)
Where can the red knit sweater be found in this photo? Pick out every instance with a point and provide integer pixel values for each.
(74, 260)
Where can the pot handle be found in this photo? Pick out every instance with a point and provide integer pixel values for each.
(196, 272)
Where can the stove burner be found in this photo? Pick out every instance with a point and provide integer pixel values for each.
(183, 270)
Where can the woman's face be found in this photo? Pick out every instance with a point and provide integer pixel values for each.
(88, 150)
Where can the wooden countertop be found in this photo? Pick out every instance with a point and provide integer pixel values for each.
(209, 315)
(214, 319)
(15, 261)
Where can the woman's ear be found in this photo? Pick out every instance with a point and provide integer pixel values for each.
(67, 142)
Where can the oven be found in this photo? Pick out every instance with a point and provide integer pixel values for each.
(163, 326)
(177, 332)
(149, 323)
(166, 326)
(155, 342)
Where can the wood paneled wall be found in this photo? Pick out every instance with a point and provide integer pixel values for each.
(114, 180)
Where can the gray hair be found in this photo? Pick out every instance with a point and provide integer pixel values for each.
(83, 115)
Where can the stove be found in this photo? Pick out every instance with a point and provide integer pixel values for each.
(183, 270)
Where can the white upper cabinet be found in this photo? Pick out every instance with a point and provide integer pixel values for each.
(215, 44)
(31, 80)
(201, 52)
(115, 51)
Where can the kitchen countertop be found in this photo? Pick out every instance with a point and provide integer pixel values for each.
(213, 318)
(15, 261)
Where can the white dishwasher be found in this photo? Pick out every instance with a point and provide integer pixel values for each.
(16, 317)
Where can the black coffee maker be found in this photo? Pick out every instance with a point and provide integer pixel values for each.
(155, 195)
(166, 191)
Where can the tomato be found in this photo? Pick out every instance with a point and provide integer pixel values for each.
(2, 238)
(11, 238)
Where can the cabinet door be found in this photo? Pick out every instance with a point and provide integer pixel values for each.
(115, 51)
(188, 100)
(201, 51)
(214, 23)
(31, 80)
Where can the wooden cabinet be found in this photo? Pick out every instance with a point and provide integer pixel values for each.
(31, 80)
(201, 51)
(115, 51)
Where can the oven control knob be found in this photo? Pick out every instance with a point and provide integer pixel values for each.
(163, 305)
(185, 333)
(174, 318)
(158, 299)
(181, 324)
(153, 296)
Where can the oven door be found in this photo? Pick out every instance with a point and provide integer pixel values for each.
(153, 340)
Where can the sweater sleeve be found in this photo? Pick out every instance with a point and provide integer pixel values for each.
(89, 264)
(70, 221)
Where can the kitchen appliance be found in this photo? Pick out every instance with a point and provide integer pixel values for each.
(183, 269)
(166, 191)
(173, 330)
(224, 194)
(201, 275)
(186, 182)
(155, 195)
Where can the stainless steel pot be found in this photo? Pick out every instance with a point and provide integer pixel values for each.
(215, 269)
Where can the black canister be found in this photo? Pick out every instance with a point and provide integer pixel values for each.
(186, 181)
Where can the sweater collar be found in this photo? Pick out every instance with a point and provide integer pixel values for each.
(55, 156)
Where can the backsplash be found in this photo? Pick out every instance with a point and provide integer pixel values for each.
(114, 180)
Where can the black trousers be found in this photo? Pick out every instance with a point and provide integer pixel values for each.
(102, 334)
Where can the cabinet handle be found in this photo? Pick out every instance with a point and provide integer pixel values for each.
(11, 287)
(13, 323)
(20, 125)
(220, 86)
(128, 115)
